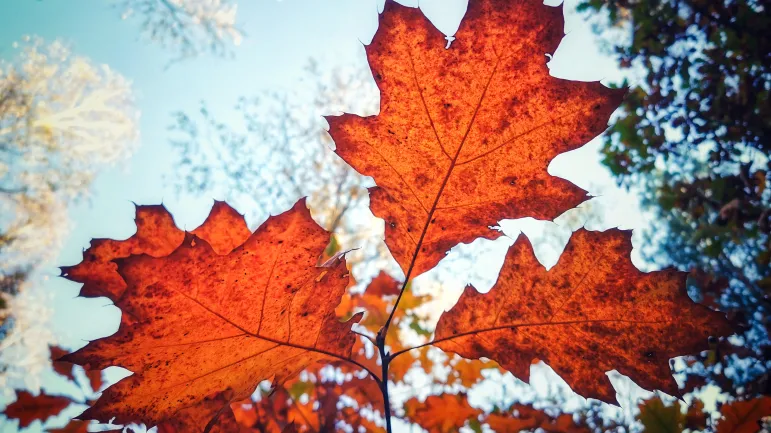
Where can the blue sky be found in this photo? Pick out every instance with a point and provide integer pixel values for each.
(280, 38)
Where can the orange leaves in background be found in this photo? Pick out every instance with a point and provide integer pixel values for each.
(592, 313)
(443, 413)
(465, 134)
(377, 300)
(521, 417)
(467, 372)
(744, 416)
(202, 320)
(29, 408)
(447, 413)
(213, 410)
(310, 406)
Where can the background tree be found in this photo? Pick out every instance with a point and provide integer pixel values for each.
(62, 119)
(187, 27)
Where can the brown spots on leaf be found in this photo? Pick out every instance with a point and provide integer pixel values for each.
(580, 318)
(455, 122)
(197, 322)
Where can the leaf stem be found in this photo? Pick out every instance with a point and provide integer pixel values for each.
(381, 336)
(386, 360)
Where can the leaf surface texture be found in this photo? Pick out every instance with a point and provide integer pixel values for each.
(465, 134)
(593, 312)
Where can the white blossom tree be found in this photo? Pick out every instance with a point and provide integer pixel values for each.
(62, 119)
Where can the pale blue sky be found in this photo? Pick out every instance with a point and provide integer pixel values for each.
(280, 38)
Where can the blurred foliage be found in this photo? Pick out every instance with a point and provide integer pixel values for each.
(692, 138)
(187, 27)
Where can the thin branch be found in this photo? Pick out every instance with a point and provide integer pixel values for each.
(365, 336)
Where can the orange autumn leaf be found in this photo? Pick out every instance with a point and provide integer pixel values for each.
(506, 422)
(744, 416)
(376, 309)
(359, 422)
(592, 313)
(465, 133)
(29, 408)
(315, 405)
(265, 416)
(383, 285)
(224, 228)
(696, 418)
(245, 412)
(365, 392)
(521, 417)
(443, 413)
(305, 415)
(401, 365)
(365, 354)
(376, 301)
(196, 322)
(156, 236)
(67, 369)
(468, 372)
(564, 423)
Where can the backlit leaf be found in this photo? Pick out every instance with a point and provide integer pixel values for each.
(592, 313)
(197, 322)
(443, 413)
(465, 134)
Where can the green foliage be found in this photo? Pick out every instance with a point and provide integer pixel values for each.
(657, 417)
